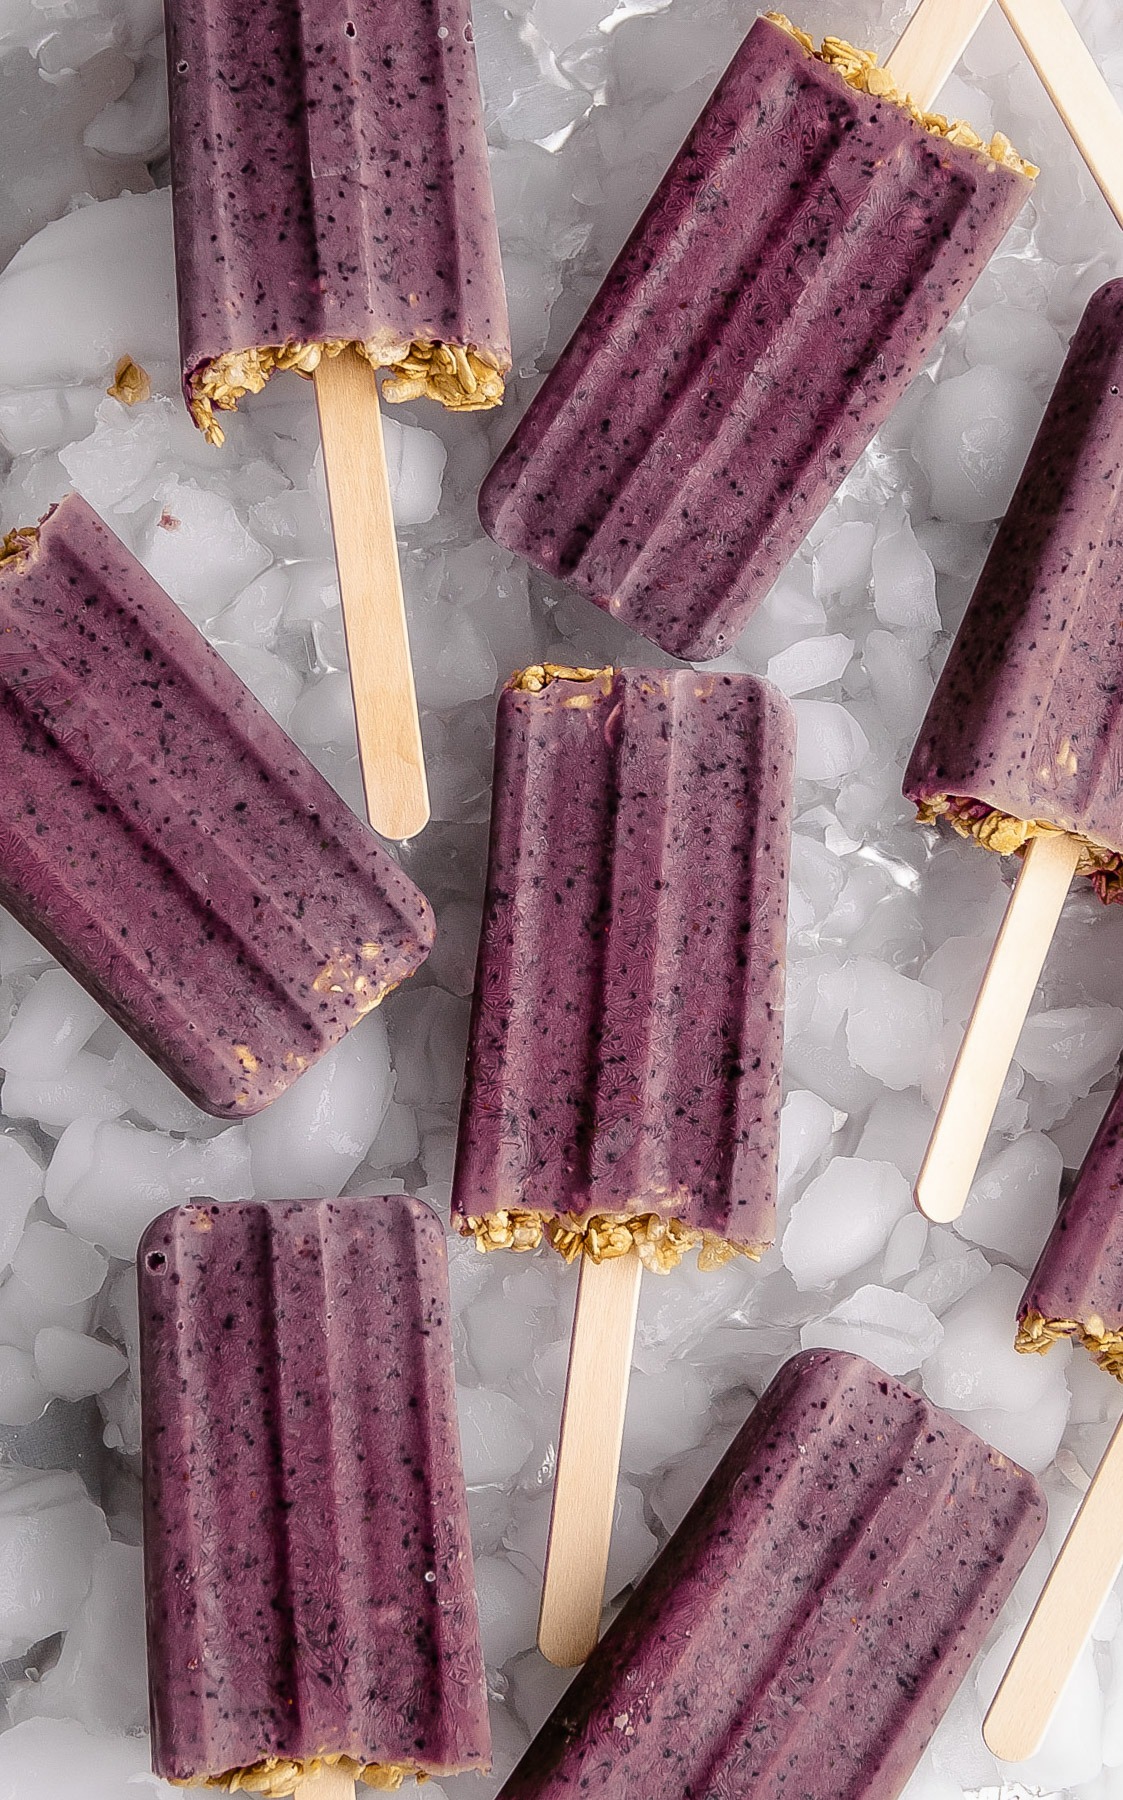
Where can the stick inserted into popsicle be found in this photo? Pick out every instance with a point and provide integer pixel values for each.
(810, 1621)
(166, 840)
(308, 1566)
(1019, 746)
(623, 1081)
(798, 263)
(333, 214)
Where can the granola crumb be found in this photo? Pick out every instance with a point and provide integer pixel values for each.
(131, 384)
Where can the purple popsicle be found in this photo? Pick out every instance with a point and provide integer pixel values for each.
(308, 1562)
(166, 840)
(330, 186)
(1022, 735)
(1076, 1290)
(810, 1621)
(796, 266)
(623, 1080)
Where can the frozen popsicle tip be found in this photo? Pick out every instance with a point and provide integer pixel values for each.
(540, 676)
(1007, 835)
(861, 71)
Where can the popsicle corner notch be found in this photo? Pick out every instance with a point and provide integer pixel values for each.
(861, 70)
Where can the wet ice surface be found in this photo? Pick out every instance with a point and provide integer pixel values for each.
(890, 928)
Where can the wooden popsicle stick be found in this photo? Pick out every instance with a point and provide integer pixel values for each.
(374, 613)
(1081, 1580)
(329, 1783)
(973, 1091)
(1076, 87)
(592, 1428)
(931, 44)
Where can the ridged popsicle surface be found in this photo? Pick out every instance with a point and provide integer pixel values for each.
(307, 1550)
(169, 843)
(625, 1044)
(811, 1619)
(798, 263)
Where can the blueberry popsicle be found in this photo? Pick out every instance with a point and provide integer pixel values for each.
(623, 1075)
(623, 1079)
(333, 214)
(308, 1563)
(797, 264)
(1018, 750)
(1076, 1291)
(166, 840)
(330, 185)
(810, 1621)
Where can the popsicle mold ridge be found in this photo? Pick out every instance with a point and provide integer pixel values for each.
(681, 983)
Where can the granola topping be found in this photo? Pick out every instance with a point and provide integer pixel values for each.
(1007, 836)
(860, 69)
(540, 675)
(275, 1777)
(463, 380)
(1036, 1334)
(659, 1243)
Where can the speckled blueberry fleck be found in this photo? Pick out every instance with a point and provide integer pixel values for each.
(810, 1621)
(297, 1499)
(169, 843)
(795, 268)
